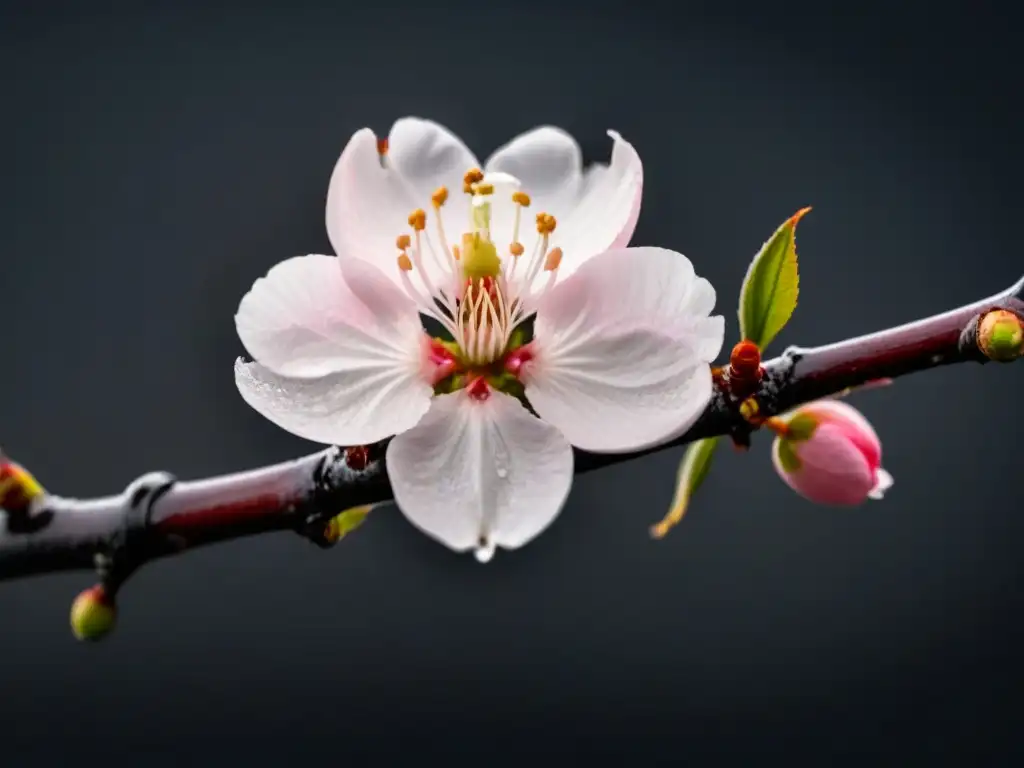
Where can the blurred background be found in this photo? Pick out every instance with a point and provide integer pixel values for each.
(158, 159)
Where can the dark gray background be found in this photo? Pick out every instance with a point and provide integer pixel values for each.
(156, 161)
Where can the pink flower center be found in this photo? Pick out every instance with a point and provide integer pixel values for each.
(478, 389)
(517, 358)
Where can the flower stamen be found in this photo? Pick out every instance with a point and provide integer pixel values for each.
(439, 198)
(473, 176)
(546, 224)
(480, 303)
(418, 220)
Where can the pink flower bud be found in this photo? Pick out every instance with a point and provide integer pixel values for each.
(831, 455)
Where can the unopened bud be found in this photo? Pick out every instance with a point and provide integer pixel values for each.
(93, 614)
(828, 453)
(1001, 336)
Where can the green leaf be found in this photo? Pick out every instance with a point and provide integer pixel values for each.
(693, 470)
(771, 287)
(342, 524)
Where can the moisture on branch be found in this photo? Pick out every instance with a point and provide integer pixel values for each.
(157, 515)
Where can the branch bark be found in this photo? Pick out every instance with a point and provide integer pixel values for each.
(157, 516)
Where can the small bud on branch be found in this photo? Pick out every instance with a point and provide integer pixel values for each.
(1001, 335)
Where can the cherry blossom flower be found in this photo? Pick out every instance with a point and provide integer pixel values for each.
(616, 358)
(829, 454)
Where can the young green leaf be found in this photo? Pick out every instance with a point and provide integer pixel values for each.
(693, 469)
(342, 524)
(771, 287)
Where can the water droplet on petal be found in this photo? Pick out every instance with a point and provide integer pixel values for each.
(484, 551)
(501, 458)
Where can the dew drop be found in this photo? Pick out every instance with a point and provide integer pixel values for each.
(484, 550)
(501, 458)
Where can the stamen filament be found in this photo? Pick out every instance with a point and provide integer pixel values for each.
(424, 303)
(537, 260)
(418, 263)
(515, 225)
(444, 243)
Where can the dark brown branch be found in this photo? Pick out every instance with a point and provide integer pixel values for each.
(158, 516)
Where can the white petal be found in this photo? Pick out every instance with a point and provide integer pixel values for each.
(357, 406)
(368, 205)
(623, 350)
(479, 475)
(339, 349)
(427, 155)
(303, 319)
(691, 316)
(596, 209)
(607, 212)
(625, 287)
(547, 161)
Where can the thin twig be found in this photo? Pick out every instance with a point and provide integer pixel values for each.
(157, 515)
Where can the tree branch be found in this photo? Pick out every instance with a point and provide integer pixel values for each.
(157, 515)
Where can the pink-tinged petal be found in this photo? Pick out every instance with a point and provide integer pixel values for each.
(302, 319)
(356, 406)
(606, 214)
(428, 155)
(480, 474)
(368, 205)
(832, 469)
(339, 349)
(622, 351)
(596, 208)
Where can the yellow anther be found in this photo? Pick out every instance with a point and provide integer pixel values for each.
(404, 262)
(516, 249)
(546, 223)
(484, 189)
(521, 198)
(418, 220)
(473, 176)
(553, 259)
(456, 253)
(382, 147)
(402, 242)
(439, 197)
